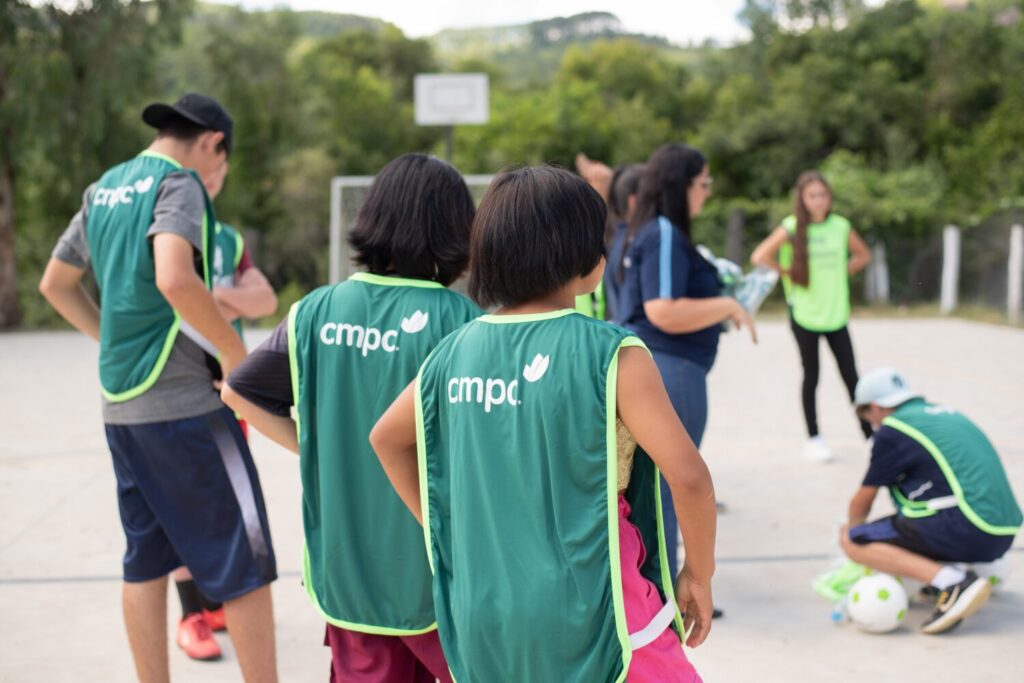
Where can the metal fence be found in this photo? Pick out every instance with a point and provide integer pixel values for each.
(978, 266)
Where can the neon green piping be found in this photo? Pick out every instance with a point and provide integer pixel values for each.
(154, 374)
(206, 249)
(954, 484)
(633, 341)
(394, 281)
(172, 334)
(239, 247)
(667, 580)
(614, 549)
(307, 579)
(158, 155)
(526, 317)
(307, 576)
(293, 365)
(915, 509)
(421, 463)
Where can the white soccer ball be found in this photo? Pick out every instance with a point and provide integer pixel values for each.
(877, 603)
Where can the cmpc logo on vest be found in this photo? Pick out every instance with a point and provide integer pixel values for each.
(112, 196)
(368, 339)
(495, 392)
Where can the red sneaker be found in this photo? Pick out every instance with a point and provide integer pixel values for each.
(216, 619)
(196, 638)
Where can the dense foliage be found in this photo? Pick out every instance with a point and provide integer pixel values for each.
(913, 110)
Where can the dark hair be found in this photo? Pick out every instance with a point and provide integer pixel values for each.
(625, 183)
(536, 229)
(181, 129)
(799, 270)
(415, 221)
(662, 191)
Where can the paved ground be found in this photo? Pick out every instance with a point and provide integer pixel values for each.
(60, 540)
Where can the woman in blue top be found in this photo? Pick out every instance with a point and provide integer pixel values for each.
(669, 295)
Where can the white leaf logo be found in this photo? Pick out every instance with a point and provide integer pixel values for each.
(415, 322)
(535, 370)
(143, 186)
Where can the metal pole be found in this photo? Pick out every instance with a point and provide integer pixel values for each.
(1015, 276)
(876, 280)
(950, 268)
(335, 231)
(449, 142)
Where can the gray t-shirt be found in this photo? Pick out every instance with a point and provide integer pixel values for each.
(184, 388)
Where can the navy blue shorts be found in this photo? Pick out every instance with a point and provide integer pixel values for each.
(189, 495)
(944, 537)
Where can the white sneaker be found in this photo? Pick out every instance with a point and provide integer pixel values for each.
(816, 450)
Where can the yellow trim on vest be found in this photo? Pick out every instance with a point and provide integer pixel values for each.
(951, 479)
(421, 464)
(158, 155)
(172, 333)
(612, 486)
(154, 374)
(667, 580)
(239, 247)
(526, 317)
(293, 364)
(307, 580)
(394, 281)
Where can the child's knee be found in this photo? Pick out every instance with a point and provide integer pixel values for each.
(845, 542)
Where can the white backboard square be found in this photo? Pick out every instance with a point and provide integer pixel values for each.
(451, 99)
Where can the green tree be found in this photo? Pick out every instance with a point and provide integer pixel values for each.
(74, 81)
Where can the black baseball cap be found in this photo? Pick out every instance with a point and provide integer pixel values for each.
(199, 109)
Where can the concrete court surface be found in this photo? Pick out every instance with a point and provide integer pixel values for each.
(61, 543)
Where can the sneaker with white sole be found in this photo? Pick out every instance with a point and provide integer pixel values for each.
(958, 602)
(816, 450)
(196, 638)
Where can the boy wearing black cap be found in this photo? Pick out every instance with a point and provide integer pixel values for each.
(188, 491)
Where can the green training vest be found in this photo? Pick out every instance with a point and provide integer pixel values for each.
(518, 470)
(968, 461)
(228, 248)
(137, 325)
(353, 348)
(824, 305)
(593, 304)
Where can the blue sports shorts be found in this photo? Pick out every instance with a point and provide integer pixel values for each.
(947, 536)
(188, 494)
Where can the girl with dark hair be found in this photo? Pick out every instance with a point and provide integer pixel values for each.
(530, 446)
(621, 205)
(618, 188)
(669, 294)
(340, 357)
(818, 251)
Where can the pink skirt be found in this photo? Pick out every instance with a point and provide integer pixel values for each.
(662, 660)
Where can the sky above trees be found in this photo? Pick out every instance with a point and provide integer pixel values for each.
(681, 21)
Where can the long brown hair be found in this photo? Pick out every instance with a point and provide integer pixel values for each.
(799, 270)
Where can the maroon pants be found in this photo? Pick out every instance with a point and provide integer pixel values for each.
(368, 658)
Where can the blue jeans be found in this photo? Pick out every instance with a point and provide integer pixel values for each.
(687, 386)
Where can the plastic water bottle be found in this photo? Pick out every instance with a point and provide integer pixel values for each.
(839, 613)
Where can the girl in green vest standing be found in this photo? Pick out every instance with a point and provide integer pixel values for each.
(817, 252)
(529, 446)
(340, 357)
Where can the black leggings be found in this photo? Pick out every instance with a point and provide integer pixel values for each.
(842, 349)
